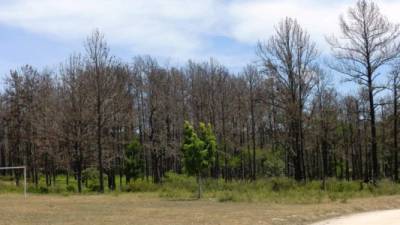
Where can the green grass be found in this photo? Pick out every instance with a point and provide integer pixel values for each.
(182, 187)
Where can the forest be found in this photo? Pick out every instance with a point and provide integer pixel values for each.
(281, 116)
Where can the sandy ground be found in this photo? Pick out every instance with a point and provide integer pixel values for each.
(388, 217)
(145, 209)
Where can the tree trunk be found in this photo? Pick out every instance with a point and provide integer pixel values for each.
(374, 147)
(253, 138)
(199, 191)
(395, 128)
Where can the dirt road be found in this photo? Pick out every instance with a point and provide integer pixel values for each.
(387, 217)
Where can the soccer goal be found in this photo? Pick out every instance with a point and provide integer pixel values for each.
(17, 168)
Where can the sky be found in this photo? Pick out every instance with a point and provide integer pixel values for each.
(43, 33)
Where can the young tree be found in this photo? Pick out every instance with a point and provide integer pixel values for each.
(133, 160)
(369, 41)
(198, 152)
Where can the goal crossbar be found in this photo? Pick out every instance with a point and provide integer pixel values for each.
(17, 167)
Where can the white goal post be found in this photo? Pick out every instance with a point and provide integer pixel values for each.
(17, 167)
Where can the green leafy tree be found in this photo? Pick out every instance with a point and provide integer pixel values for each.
(133, 160)
(208, 137)
(198, 151)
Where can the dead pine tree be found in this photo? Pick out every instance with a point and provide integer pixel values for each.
(368, 42)
(99, 65)
(394, 86)
(289, 57)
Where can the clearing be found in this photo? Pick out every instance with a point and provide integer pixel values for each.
(146, 209)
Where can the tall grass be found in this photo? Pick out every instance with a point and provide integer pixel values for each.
(279, 190)
(182, 187)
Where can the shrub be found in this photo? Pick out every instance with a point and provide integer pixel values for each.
(226, 196)
(9, 187)
(71, 188)
(6, 178)
(90, 174)
(282, 184)
(141, 186)
(94, 187)
(333, 185)
(57, 190)
(43, 190)
(175, 194)
(179, 181)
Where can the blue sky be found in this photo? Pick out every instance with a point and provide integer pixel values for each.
(44, 32)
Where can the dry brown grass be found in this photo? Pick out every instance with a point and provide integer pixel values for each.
(148, 209)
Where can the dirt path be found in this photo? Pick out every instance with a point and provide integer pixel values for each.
(388, 217)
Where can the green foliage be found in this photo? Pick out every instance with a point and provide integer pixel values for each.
(141, 185)
(227, 196)
(272, 162)
(6, 178)
(94, 187)
(71, 188)
(282, 184)
(178, 186)
(43, 190)
(133, 160)
(179, 181)
(234, 162)
(184, 187)
(198, 152)
(210, 143)
(8, 186)
(279, 190)
(90, 174)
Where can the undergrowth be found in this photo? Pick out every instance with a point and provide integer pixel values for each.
(182, 187)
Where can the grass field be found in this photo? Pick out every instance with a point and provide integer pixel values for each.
(279, 201)
(150, 209)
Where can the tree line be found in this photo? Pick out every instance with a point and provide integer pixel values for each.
(281, 116)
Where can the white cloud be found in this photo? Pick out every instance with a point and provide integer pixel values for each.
(176, 28)
(255, 20)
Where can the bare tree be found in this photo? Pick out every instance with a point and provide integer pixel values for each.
(368, 42)
(75, 116)
(288, 58)
(99, 63)
(394, 87)
(253, 80)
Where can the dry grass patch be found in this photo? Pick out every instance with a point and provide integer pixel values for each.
(148, 209)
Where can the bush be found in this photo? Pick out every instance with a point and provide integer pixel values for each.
(183, 187)
(174, 194)
(6, 178)
(90, 174)
(57, 189)
(71, 188)
(333, 185)
(181, 182)
(141, 186)
(94, 187)
(226, 196)
(43, 190)
(282, 184)
(9, 187)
